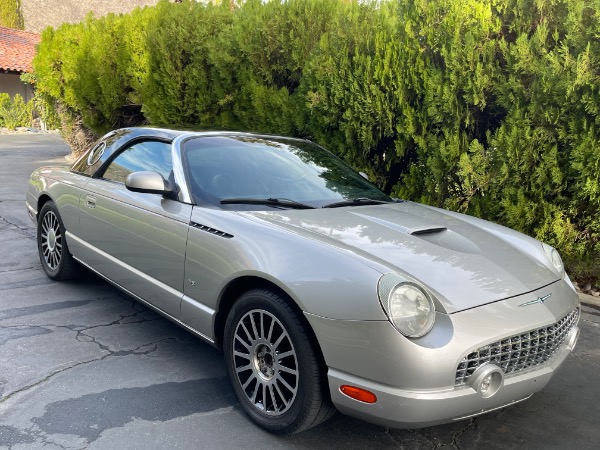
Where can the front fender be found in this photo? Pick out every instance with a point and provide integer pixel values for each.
(321, 279)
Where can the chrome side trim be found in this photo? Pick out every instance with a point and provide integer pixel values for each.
(150, 305)
(139, 273)
(201, 306)
(490, 410)
(145, 276)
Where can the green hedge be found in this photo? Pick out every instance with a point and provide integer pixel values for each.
(10, 14)
(489, 107)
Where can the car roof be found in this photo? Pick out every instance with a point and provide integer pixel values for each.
(116, 139)
(168, 134)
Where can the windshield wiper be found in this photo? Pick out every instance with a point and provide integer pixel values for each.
(287, 203)
(354, 202)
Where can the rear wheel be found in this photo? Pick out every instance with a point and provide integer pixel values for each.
(56, 260)
(273, 365)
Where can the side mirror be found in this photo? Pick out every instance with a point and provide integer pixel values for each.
(149, 183)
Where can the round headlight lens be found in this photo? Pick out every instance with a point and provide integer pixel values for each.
(411, 310)
(554, 258)
(557, 260)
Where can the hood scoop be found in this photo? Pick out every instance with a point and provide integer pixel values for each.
(435, 234)
(412, 225)
(427, 230)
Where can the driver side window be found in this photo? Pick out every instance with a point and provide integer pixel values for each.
(153, 156)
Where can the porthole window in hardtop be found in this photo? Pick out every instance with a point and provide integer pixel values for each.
(152, 156)
(85, 164)
(96, 153)
(93, 159)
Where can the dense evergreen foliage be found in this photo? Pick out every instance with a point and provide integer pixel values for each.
(14, 112)
(10, 14)
(489, 107)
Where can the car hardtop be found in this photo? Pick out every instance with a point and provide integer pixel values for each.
(115, 140)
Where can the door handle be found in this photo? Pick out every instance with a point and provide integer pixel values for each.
(90, 201)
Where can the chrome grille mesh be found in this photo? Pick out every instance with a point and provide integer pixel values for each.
(518, 352)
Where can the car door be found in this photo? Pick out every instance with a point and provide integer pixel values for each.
(137, 240)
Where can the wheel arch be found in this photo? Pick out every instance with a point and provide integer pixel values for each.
(42, 200)
(235, 288)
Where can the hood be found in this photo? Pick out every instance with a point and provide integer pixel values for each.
(461, 263)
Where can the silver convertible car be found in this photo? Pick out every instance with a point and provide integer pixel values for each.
(323, 292)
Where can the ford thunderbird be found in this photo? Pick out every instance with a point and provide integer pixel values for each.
(323, 292)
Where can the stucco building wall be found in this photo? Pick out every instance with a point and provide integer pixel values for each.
(38, 14)
(11, 83)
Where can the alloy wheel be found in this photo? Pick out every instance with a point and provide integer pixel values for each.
(265, 361)
(51, 240)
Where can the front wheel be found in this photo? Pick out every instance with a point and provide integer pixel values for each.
(56, 260)
(273, 366)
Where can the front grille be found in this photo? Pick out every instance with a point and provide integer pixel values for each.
(518, 352)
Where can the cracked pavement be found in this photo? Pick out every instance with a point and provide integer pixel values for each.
(83, 366)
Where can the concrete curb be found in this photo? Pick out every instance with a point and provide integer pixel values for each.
(588, 299)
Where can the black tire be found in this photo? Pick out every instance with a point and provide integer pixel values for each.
(274, 347)
(54, 253)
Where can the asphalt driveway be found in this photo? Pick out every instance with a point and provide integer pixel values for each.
(84, 366)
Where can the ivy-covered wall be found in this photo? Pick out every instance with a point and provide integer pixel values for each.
(489, 107)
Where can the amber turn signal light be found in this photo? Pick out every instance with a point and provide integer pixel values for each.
(362, 395)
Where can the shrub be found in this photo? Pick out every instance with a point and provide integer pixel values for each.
(488, 107)
(14, 113)
(10, 14)
(5, 102)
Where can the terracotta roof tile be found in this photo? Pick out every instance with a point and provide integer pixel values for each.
(17, 49)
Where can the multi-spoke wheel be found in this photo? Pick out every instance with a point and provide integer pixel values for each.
(274, 368)
(51, 240)
(56, 260)
(265, 362)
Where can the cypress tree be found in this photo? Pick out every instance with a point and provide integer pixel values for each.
(10, 14)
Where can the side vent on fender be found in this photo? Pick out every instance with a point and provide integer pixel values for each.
(211, 230)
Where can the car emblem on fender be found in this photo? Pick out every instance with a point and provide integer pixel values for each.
(537, 300)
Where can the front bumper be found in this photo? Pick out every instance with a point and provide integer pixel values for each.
(414, 379)
(400, 408)
(31, 211)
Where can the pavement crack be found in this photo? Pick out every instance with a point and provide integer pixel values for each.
(434, 444)
(121, 318)
(500, 413)
(20, 229)
(396, 441)
(153, 347)
(471, 425)
(50, 376)
(18, 270)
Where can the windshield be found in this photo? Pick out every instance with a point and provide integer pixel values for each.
(225, 169)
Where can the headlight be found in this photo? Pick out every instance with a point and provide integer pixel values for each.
(408, 306)
(554, 259)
